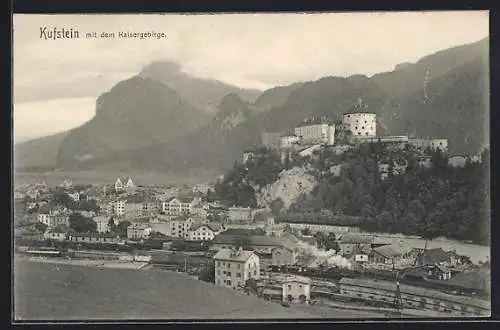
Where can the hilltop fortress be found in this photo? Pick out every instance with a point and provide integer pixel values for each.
(359, 125)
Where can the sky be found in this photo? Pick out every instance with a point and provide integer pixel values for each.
(56, 82)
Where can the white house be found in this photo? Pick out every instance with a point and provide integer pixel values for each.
(204, 232)
(179, 226)
(75, 196)
(289, 141)
(234, 267)
(103, 223)
(67, 183)
(116, 208)
(316, 134)
(57, 234)
(178, 206)
(138, 231)
(121, 185)
(53, 219)
(282, 255)
(296, 289)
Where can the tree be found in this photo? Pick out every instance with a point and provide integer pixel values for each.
(306, 231)
(111, 224)
(207, 273)
(40, 226)
(251, 286)
(331, 243)
(121, 228)
(82, 224)
(276, 206)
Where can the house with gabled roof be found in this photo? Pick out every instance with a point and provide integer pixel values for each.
(204, 231)
(179, 205)
(122, 184)
(233, 267)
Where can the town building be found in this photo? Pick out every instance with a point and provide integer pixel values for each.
(458, 160)
(179, 205)
(94, 238)
(75, 196)
(116, 208)
(390, 254)
(180, 225)
(289, 141)
(296, 289)
(202, 188)
(150, 207)
(413, 297)
(283, 255)
(121, 185)
(234, 267)
(53, 219)
(66, 184)
(204, 231)
(433, 144)
(138, 231)
(361, 124)
(316, 133)
(239, 214)
(133, 209)
(103, 223)
(352, 243)
(58, 233)
(320, 227)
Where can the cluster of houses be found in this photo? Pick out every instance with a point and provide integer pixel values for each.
(235, 265)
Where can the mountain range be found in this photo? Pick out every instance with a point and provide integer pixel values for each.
(164, 119)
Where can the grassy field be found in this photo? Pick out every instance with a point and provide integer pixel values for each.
(52, 292)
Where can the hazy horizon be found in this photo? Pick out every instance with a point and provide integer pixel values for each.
(257, 51)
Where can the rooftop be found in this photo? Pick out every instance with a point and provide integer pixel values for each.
(392, 250)
(250, 240)
(103, 235)
(214, 226)
(233, 255)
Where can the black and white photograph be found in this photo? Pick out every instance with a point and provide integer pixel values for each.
(251, 166)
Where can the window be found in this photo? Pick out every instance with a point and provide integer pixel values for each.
(238, 266)
(218, 272)
(362, 127)
(289, 287)
(228, 273)
(255, 272)
(228, 282)
(224, 272)
(238, 275)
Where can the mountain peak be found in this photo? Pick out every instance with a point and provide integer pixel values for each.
(204, 93)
